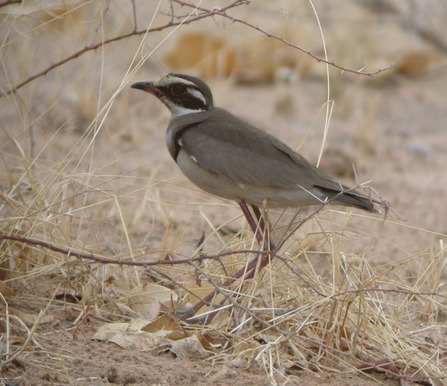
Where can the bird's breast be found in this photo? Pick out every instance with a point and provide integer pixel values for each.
(172, 142)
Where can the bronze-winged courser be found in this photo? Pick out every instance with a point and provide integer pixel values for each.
(227, 156)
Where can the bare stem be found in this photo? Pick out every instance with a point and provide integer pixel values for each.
(95, 46)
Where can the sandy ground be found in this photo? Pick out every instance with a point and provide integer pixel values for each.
(393, 128)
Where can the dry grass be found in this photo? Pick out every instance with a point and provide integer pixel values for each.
(322, 305)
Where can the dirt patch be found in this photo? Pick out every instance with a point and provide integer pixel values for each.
(78, 360)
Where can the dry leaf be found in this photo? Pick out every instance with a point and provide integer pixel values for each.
(212, 340)
(188, 348)
(165, 332)
(128, 336)
(165, 325)
(146, 301)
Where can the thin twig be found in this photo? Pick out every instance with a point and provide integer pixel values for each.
(222, 12)
(10, 2)
(288, 235)
(134, 14)
(171, 259)
(171, 8)
(95, 46)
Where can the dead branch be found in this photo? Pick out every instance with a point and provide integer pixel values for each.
(170, 259)
(206, 13)
(222, 12)
(142, 31)
(385, 290)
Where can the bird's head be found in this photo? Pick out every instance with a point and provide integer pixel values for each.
(181, 94)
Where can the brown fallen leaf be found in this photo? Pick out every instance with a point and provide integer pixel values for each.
(122, 335)
(212, 340)
(163, 334)
(147, 301)
(188, 348)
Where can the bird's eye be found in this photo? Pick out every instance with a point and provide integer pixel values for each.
(177, 89)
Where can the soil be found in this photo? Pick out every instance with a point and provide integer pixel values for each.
(78, 360)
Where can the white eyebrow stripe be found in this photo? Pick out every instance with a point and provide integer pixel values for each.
(197, 94)
(166, 81)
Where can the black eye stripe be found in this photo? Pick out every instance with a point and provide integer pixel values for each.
(198, 84)
(178, 94)
(189, 101)
(177, 89)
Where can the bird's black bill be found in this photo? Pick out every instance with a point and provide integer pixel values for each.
(147, 87)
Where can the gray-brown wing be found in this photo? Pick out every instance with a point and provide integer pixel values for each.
(225, 145)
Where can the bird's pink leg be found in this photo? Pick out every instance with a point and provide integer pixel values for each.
(262, 234)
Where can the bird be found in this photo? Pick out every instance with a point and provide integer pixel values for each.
(227, 156)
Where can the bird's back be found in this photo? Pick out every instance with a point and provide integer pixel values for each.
(227, 146)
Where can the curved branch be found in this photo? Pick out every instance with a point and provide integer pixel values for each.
(319, 59)
(171, 259)
(93, 47)
(205, 14)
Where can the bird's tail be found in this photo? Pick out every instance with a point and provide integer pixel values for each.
(349, 198)
(357, 200)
